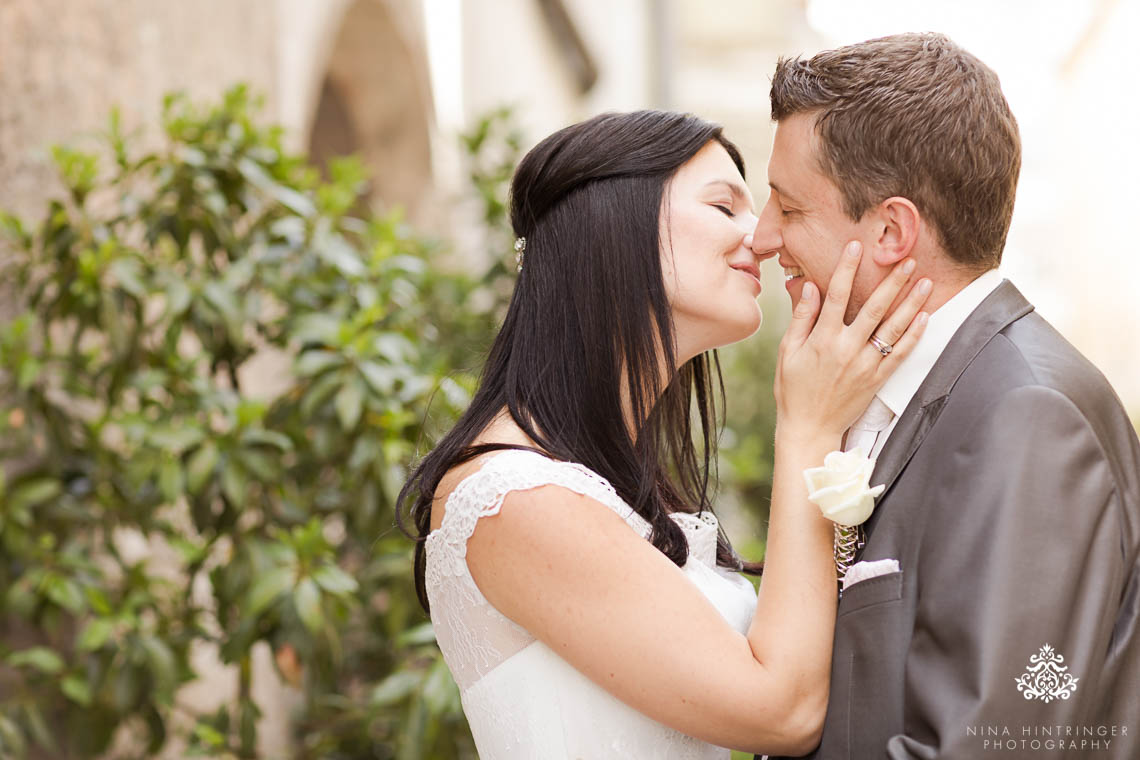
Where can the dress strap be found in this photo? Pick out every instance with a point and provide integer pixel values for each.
(481, 493)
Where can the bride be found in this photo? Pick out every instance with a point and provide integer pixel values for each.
(583, 596)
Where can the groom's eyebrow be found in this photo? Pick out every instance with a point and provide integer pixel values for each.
(783, 193)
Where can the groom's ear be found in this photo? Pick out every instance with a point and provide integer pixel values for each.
(897, 225)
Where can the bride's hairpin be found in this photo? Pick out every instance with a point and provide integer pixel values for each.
(520, 248)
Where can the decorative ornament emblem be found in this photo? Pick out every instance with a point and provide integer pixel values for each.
(1047, 679)
(520, 248)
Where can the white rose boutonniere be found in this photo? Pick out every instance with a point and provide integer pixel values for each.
(841, 488)
(842, 491)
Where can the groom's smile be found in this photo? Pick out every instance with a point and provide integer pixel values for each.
(803, 220)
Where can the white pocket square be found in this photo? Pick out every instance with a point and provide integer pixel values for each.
(864, 571)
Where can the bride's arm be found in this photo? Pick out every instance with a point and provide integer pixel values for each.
(819, 394)
(578, 578)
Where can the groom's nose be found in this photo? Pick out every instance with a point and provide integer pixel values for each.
(766, 236)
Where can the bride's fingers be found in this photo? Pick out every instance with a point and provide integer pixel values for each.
(872, 312)
(803, 318)
(893, 328)
(839, 289)
(902, 347)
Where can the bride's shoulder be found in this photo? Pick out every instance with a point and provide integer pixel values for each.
(520, 475)
(482, 483)
(492, 462)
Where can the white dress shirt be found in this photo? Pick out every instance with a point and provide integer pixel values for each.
(944, 322)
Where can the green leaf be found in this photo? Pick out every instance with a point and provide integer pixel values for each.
(37, 726)
(170, 480)
(12, 741)
(201, 466)
(13, 228)
(225, 302)
(176, 440)
(259, 464)
(40, 658)
(341, 255)
(234, 482)
(34, 492)
(286, 196)
(129, 275)
(247, 727)
(126, 688)
(94, 635)
(318, 328)
(28, 373)
(381, 377)
(268, 587)
(260, 437)
(209, 735)
(420, 635)
(98, 600)
(441, 695)
(317, 361)
(163, 667)
(394, 347)
(307, 601)
(65, 592)
(334, 580)
(189, 551)
(178, 298)
(394, 689)
(77, 169)
(156, 725)
(349, 403)
(76, 689)
(318, 393)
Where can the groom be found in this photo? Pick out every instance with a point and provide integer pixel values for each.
(1011, 626)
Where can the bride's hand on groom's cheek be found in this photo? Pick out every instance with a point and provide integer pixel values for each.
(828, 372)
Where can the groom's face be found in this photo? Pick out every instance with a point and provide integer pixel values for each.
(803, 220)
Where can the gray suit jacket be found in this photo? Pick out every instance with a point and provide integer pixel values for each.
(1013, 507)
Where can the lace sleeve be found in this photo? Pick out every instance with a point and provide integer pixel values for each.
(474, 636)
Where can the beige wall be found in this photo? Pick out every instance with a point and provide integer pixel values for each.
(64, 63)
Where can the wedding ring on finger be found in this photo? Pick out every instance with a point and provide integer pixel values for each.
(883, 347)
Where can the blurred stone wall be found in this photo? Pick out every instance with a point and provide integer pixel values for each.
(64, 63)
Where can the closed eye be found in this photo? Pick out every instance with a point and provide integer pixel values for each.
(727, 211)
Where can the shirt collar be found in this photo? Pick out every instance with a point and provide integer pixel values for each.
(944, 322)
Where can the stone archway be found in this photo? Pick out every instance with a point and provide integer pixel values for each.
(374, 100)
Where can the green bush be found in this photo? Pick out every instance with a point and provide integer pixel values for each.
(265, 515)
(124, 410)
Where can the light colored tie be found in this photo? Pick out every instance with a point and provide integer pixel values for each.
(863, 434)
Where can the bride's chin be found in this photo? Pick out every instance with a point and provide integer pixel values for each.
(751, 323)
(740, 330)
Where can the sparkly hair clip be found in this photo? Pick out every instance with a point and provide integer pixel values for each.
(520, 248)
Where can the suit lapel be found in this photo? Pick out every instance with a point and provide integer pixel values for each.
(1002, 307)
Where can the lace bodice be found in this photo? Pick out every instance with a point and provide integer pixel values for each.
(520, 698)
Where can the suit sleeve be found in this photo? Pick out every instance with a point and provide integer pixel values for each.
(1022, 557)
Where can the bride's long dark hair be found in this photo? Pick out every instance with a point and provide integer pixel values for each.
(589, 303)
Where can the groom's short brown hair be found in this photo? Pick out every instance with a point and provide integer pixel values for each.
(913, 115)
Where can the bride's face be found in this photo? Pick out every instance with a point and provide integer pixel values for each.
(712, 277)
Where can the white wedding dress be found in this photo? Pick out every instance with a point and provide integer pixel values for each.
(522, 701)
